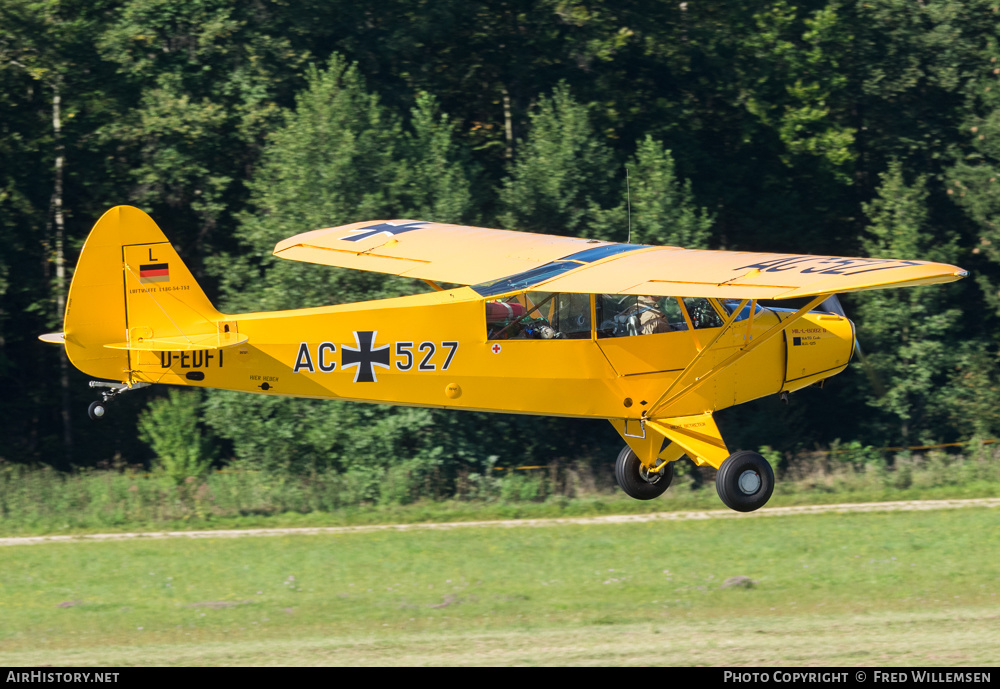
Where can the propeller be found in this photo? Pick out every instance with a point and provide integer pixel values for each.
(832, 304)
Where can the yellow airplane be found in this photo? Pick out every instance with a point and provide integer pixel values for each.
(654, 339)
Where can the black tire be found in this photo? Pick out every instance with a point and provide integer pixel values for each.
(629, 474)
(96, 410)
(745, 481)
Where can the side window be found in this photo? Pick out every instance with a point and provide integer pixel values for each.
(571, 316)
(612, 314)
(702, 314)
(621, 315)
(539, 316)
(674, 312)
(503, 316)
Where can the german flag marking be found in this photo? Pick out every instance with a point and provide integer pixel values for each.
(154, 272)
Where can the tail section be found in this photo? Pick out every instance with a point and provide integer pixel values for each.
(131, 292)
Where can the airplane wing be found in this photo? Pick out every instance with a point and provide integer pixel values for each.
(474, 255)
(664, 271)
(431, 251)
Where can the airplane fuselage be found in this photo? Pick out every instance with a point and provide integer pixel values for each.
(433, 350)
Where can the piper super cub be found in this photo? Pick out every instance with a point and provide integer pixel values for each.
(653, 338)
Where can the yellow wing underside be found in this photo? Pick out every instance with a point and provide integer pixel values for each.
(470, 255)
(430, 251)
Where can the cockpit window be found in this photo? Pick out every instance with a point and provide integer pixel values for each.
(570, 316)
(701, 312)
(731, 305)
(539, 316)
(623, 315)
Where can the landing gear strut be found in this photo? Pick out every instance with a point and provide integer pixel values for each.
(639, 482)
(98, 409)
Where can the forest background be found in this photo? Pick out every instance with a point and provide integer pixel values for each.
(859, 128)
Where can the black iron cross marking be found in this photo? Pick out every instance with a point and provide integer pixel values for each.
(365, 356)
(383, 228)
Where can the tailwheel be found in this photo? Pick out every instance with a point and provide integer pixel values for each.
(745, 481)
(639, 482)
(96, 410)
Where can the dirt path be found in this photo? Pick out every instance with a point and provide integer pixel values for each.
(910, 505)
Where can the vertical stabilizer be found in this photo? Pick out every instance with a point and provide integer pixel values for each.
(129, 286)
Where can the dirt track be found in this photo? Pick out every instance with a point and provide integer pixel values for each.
(903, 506)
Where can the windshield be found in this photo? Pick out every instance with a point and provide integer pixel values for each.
(525, 279)
(548, 271)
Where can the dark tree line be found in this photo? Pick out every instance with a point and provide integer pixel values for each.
(838, 126)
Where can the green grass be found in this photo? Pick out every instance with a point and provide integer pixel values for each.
(46, 502)
(854, 589)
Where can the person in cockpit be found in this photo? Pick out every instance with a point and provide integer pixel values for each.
(652, 318)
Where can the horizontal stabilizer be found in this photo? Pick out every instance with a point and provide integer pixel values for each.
(181, 343)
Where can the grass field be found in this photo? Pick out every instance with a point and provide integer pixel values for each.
(43, 502)
(841, 589)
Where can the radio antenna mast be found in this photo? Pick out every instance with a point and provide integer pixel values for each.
(628, 198)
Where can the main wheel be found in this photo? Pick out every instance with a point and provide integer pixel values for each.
(96, 410)
(637, 481)
(745, 481)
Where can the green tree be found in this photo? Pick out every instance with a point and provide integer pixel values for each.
(972, 182)
(663, 210)
(339, 157)
(436, 181)
(795, 90)
(972, 400)
(205, 79)
(909, 333)
(486, 61)
(562, 173)
(335, 160)
(51, 84)
(170, 426)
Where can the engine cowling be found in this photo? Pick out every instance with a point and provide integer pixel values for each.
(817, 346)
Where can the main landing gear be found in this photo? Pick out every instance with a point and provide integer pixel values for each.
(744, 481)
(98, 409)
(639, 482)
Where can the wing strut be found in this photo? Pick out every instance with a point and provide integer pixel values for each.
(691, 364)
(663, 401)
